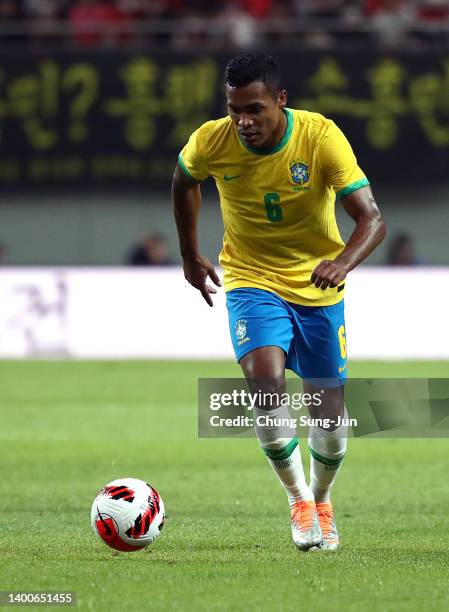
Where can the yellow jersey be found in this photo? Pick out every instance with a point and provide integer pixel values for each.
(278, 204)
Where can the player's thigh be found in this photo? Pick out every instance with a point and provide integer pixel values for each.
(322, 350)
(320, 344)
(261, 330)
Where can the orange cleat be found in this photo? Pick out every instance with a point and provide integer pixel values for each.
(326, 517)
(305, 524)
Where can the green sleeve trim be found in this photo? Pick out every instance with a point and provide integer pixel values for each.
(279, 454)
(185, 170)
(329, 462)
(352, 187)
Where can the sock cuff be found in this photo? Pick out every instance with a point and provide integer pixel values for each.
(279, 454)
(335, 462)
(330, 448)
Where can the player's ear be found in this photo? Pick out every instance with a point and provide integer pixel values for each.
(282, 98)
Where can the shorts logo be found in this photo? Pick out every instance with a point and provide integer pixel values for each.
(299, 172)
(240, 331)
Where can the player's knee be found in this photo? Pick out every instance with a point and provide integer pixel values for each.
(269, 380)
(264, 369)
(267, 392)
(267, 363)
(331, 405)
(267, 385)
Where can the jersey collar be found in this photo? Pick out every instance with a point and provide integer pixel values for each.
(281, 144)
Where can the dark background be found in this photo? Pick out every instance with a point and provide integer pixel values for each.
(120, 117)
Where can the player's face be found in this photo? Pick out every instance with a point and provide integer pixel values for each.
(256, 113)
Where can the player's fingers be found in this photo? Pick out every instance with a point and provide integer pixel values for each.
(334, 281)
(321, 278)
(338, 278)
(211, 289)
(198, 283)
(324, 280)
(332, 278)
(320, 271)
(206, 296)
(324, 285)
(316, 277)
(214, 276)
(315, 274)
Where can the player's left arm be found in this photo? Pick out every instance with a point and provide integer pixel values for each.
(368, 233)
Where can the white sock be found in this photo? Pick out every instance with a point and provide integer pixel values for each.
(280, 444)
(327, 450)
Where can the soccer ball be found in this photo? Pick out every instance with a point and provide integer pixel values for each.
(127, 514)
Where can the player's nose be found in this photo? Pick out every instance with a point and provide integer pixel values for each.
(245, 121)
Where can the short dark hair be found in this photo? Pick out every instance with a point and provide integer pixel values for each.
(250, 67)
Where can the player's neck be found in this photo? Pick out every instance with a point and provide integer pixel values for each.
(279, 133)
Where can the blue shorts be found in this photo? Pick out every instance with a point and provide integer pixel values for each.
(312, 337)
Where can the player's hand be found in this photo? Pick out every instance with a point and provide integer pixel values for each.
(196, 272)
(328, 274)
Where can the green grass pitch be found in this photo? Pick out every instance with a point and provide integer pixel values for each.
(68, 428)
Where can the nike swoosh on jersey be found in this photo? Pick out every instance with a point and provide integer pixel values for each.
(231, 178)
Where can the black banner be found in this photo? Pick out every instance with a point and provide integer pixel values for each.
(118, 117)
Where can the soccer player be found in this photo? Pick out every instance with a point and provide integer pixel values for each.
(278, 172)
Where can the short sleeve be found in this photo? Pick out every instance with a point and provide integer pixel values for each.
(192, 158)
(339, 164)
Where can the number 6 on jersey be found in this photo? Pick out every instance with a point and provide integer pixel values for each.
(274, 211)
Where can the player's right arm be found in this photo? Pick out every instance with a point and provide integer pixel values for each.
(186, 196)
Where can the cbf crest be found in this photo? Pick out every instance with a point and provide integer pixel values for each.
(299, 172)
(240, 331)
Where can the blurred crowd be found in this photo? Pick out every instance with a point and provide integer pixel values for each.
(242, 23)
(150, 250)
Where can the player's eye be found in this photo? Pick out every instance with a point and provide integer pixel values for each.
(253, 110)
